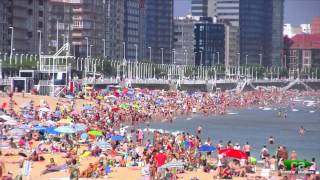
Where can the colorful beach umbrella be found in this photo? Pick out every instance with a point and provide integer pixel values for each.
(233, 153)
(301, 164)
(65, 129)
(95, 133)
(206, 148)
(116, 138)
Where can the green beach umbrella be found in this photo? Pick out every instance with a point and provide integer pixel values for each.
(124, 106)
(301, 164)
(95, 133)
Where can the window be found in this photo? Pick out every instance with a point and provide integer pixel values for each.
(29, 11)
(40, 24)
(40, 13)
(30, 1)
(41, 2)
(30, 34)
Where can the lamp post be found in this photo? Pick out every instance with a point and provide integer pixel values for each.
(162, 56)
(149, 54)
(136, 46)
(174, 56)
(246, 59)
(104, 48)
(218, 53)
(238, 64)
(201, 58)
(39, 31)
(11, 47)
(124, 50)
(86, 60)
(260, 55)
(186, 54)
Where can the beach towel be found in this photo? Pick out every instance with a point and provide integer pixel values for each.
(85, 154)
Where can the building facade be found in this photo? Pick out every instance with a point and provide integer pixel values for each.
(227, 12)
(3, 26)
(315, 25)
(159, 31)
(184, 40)
(199, 8)
(209, 42)
(261, 36)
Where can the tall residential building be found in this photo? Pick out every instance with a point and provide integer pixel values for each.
(227, 12)
(115, 29)
(261, 35)
(209, 42)
(159, 30)
(132, 32)
(184, 40)
(199, 8)
(315, 25)
(81, 23)
(3, 26)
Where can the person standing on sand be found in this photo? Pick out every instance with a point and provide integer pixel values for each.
(74, 170)
(246, 148)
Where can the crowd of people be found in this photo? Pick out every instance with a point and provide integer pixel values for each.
(114, 113)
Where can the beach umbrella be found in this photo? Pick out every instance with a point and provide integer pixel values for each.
(297, 164)
(65, 129)
(11, 122)
(116, 138)
(16, 132)
(65, 121)
(24, 126)
(124, 106)
(79, 127)
(116, 109)
(233, 153)
(95, 133)
(38, 128)
(110, 97)
(69, 97)
(83, 136)
(103, 145)
(87, 107)
(6, 117)
(44, 109)
(50, 130)
(49, 123)
(74, 113)
(173, 164)
(206, 148)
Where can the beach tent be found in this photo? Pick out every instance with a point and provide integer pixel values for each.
(116, 138)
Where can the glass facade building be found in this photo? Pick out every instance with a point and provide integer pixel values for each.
(199, 8)
(261, 24)
(159, 30)
(209, 42)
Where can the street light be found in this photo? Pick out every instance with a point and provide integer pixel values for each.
(90, 50)
(201, 58)
(149, 53)
(260, 55)
(136, 46)
(11, 48)
(246, 59)
(218, 53)
(39, 31)
(104, 48)
(87, 46)
(238, 64)
(124, 50)
(162, 56)
(174, 56)
(186, 53)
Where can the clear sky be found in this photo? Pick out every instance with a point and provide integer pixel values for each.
(296, 11)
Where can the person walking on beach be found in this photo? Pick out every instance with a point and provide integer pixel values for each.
(199, 129)
(246, 148)
(74, 170)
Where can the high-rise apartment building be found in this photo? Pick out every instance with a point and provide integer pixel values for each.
(209, 42)
(159, 30)
(132, 32)
(184, 40)
(199, 8)
(261, 24)
(79, 22)
(3, 26)
(227, 12)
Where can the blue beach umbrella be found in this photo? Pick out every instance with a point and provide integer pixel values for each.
(79, 127)
(84, 136)
(103, 145)
(116, 138)
(38, 128)
(50, 130)
(65, 129)
(206, 148)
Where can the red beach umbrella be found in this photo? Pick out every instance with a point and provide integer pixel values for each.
(233, 153)
(116, 109)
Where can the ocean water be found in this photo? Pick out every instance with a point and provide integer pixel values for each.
(255, 125)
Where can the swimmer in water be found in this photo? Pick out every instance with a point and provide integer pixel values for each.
(301, 131)
(271, 140)
(279, 113)
(285, 115)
